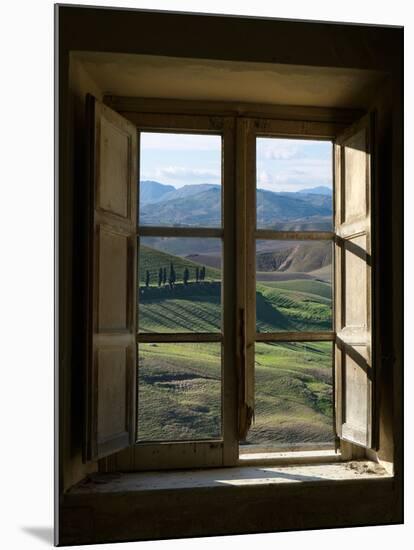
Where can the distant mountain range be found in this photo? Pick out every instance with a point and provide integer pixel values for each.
(153, 191)
(319, 190)
(191, 205)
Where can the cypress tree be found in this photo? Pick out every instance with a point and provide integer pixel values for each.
(197, 274)
(186, 276)
(160, 277)
(147, 278)
(164, 276)
(172, 276)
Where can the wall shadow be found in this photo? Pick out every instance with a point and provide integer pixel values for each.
(45, 534)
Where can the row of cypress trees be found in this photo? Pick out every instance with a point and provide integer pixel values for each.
(200, 274)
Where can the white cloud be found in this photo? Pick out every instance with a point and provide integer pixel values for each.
(179, 172)
(295, 174)
(279, 152)
(183, 174)
(179, 142)
(280, 149)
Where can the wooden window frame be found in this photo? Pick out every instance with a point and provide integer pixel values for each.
(250, 130)
(212, 452)
(239, 124)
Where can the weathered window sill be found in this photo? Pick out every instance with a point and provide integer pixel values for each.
(117, 507)
(240, 476)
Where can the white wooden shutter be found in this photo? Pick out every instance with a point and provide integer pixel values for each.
(111, 282)
(353, 305)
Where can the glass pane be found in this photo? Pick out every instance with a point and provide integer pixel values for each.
(293, 396)
(180, 180)
(294, 184)
(179, 391)
(293, 285)
(179, 285)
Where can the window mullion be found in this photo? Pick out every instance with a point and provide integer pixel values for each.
(294, 235)
(308, 336)
(179, 337)
(159, 231)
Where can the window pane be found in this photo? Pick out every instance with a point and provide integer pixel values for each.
(293, 396)
(294, 184)
(179, 391)
(180, 180)
(179, 285)
(293, 285)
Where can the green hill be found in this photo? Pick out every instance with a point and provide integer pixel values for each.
(285, 309)
(310, 286)
(179, 384)
(151, 259)
(293, 394)
(179, 393)
(196, 307)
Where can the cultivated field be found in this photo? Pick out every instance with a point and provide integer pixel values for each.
(179, 384)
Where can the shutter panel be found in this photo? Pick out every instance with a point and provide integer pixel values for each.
(111, 282)
(353, 316)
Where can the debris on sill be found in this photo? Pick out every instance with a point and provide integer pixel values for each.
(363, 467)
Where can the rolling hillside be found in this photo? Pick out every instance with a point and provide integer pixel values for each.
(179, 391)
(299, 258)
(292, 310)
(180, 398)
(283, 305)
(151, 259)
(179, 384)
(294, 395)
(308, 286)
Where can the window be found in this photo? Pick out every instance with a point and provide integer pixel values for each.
(292, 295)
(194, 332)
(184, 299)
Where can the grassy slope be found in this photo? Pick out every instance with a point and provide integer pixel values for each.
(309, 286)
(179, 396)
(174, 313)
(179, 383)
(288, 309)
(196, 308)
(324, 273)
(179, 391)
(293, 393)
(151, 259)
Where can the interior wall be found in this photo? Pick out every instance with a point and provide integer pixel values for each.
(71, 403)
(254, 39)
(166, 77)
(396, 270)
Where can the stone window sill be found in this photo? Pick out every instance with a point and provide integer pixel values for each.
(240, 476)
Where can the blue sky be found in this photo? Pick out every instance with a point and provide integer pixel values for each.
(180, 159)
(282, 164)
(293, 164)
